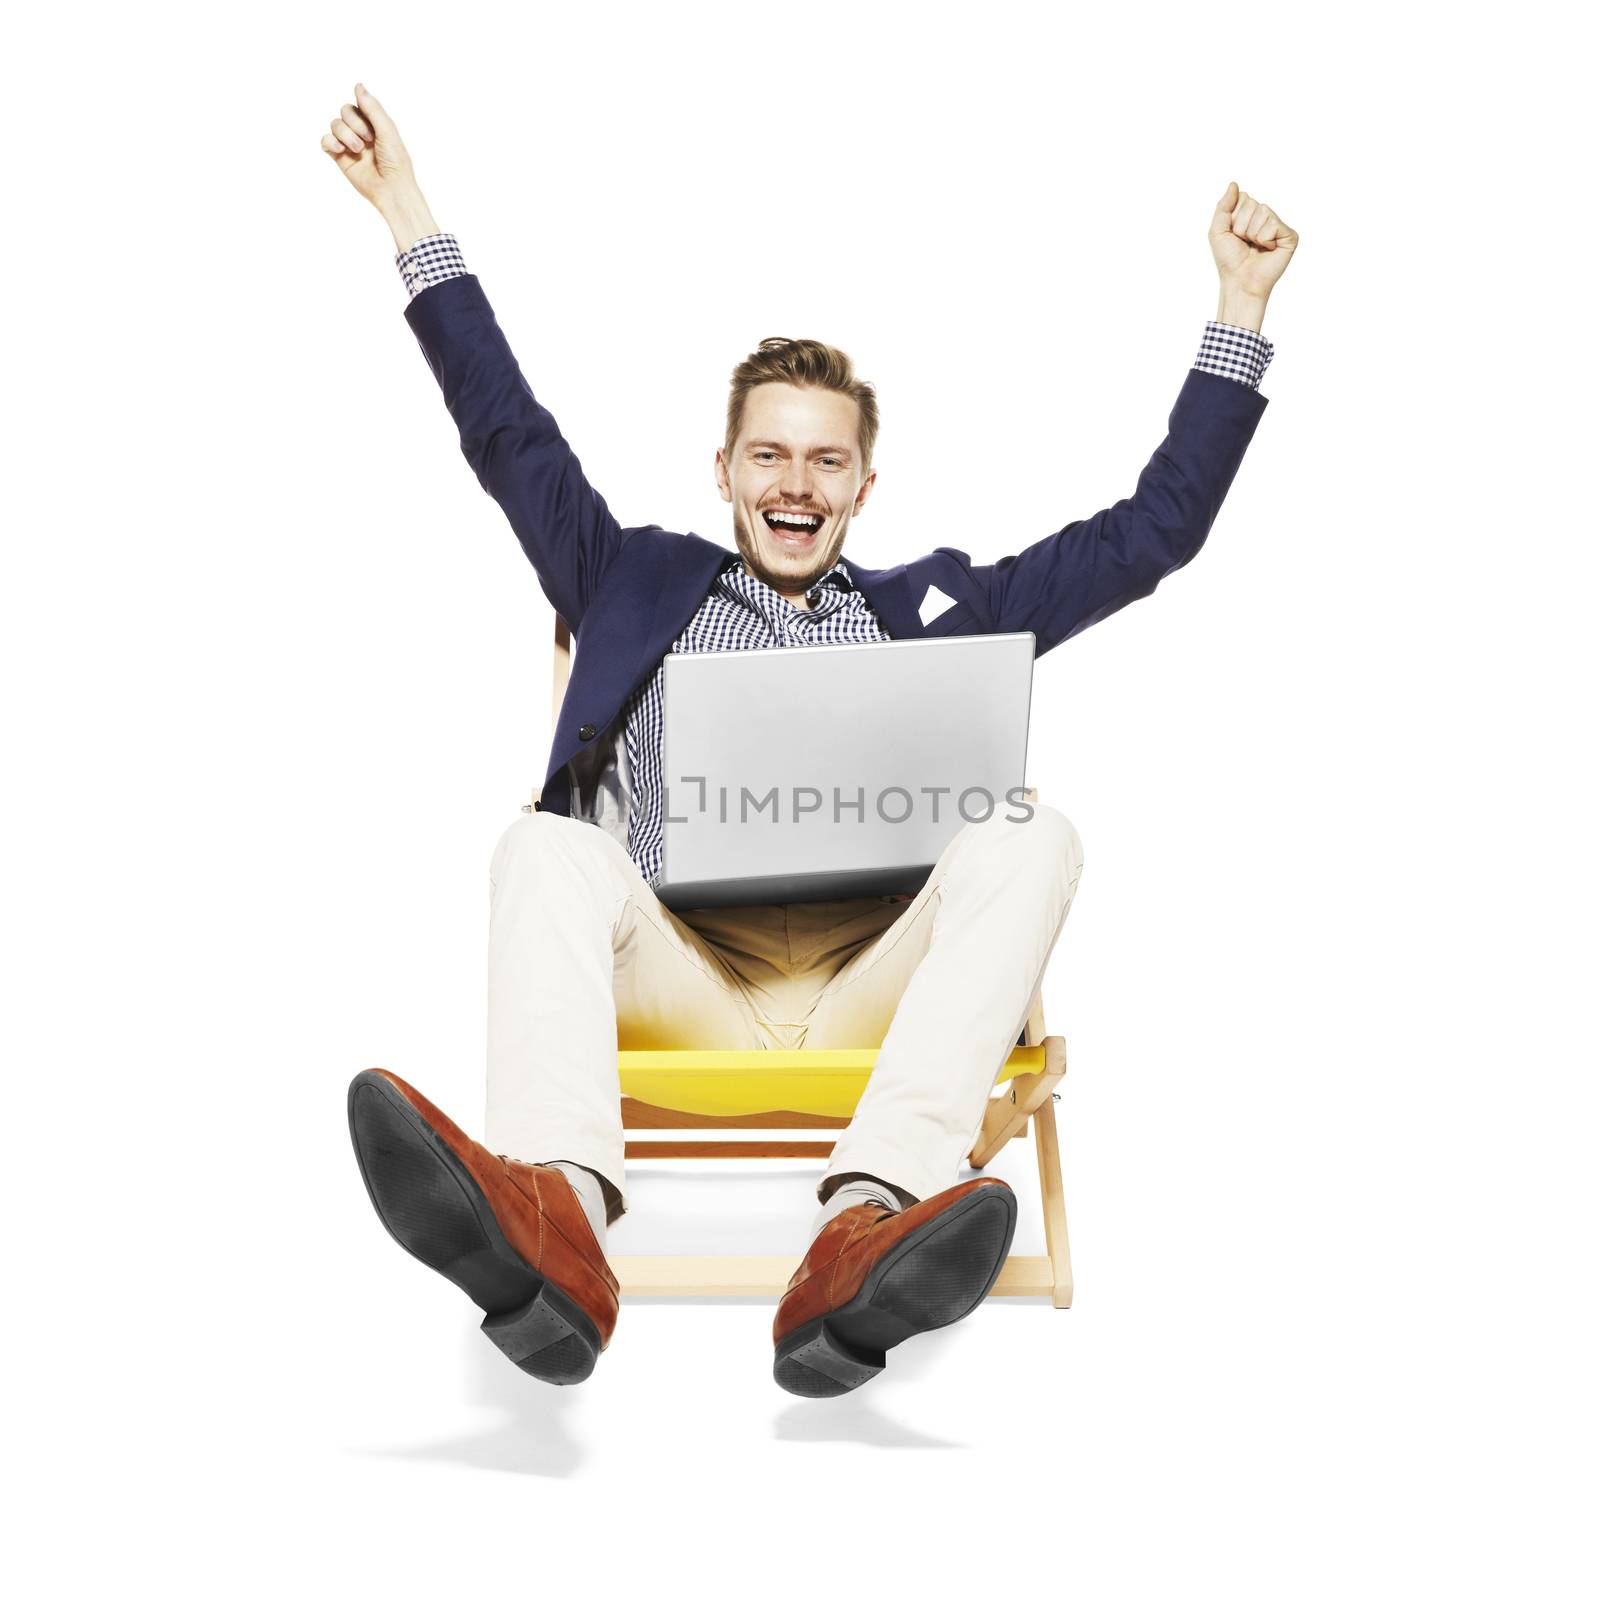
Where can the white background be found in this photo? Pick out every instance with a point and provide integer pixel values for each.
(276, 678)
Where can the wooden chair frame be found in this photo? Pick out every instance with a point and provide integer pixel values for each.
(1023, 1101)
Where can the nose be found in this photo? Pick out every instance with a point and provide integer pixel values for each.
(795, 483)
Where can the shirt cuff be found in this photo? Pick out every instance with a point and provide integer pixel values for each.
(430, 260)
(1237, 353)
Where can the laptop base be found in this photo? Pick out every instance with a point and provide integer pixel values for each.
(791, 888)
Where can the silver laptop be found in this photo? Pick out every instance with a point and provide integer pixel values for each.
(825, 772)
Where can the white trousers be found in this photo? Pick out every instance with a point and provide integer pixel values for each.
(584, 960)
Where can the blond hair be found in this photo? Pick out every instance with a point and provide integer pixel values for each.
(808, 364)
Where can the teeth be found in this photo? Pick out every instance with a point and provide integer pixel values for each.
(794, 521)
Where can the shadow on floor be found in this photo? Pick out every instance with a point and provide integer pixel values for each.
(530, 1433)
(855, 1418)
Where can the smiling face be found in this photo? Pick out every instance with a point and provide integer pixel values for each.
(794, 479)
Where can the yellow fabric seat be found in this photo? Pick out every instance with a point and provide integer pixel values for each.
(734, 1083)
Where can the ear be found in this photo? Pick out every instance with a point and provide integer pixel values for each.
(864, 491)
(724, 486)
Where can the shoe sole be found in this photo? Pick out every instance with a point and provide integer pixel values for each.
(434, 1210)
(931, 1278)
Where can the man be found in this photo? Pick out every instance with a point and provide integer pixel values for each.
(584, 957)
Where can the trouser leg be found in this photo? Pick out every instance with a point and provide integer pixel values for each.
(947, 989)
(582, 958)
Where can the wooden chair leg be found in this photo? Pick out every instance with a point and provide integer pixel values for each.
(1048, 1148)
(1006, 1116)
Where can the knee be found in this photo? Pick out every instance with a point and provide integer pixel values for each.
(1034, 838)
(535, 838)
(1052, 835)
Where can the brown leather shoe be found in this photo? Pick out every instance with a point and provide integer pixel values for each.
(873, 1278)
(513, 1236)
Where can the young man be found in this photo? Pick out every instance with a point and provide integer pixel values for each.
(584, 957)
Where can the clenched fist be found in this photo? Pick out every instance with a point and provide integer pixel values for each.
(1250, 244)
(366, 147)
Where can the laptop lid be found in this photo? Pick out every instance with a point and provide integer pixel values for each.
(830, 771)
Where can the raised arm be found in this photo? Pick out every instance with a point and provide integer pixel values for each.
(510, 441)
(1072, 579)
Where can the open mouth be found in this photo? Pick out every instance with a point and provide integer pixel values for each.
(793, 527)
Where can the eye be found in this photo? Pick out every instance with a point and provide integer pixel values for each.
(760, 453)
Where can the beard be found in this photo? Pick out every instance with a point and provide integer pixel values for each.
(791, 582)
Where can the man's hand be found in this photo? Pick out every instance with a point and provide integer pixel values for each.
(1251, 247)
(366, 147)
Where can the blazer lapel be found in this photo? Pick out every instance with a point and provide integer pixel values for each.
(888, 592)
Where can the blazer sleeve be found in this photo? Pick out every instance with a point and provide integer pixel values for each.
(1074, 578)
(513, 445)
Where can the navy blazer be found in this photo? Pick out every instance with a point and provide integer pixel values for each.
(627, 593)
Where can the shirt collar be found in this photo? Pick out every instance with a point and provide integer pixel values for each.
(735, 577)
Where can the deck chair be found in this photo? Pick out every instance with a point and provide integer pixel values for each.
(798, 1091)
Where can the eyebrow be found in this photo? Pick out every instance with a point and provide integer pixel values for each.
(819, 450)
